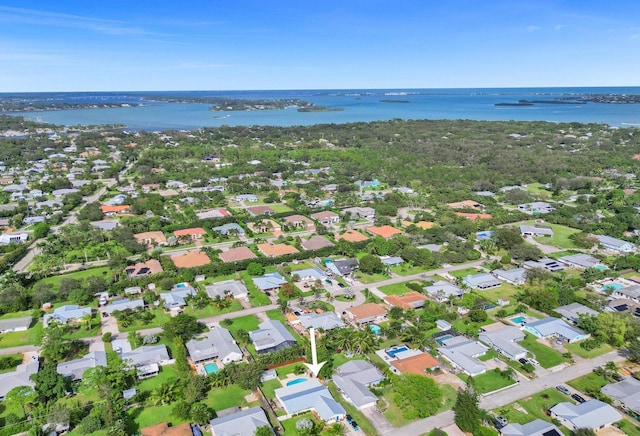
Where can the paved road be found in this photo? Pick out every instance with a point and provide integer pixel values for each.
(502, 398)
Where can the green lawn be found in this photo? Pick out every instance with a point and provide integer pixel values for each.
(591, 380)
(223, 398)
(407, 270)
(560, 236)
(538, 188)
(489, 381)
(536, 406)
(246, 323)
(284, 371)
(461, 273)
(256, 297)
(370, 278)
(578, 350)
(167, 374)
(547, 357)
(269, 387)
(449, 394)
(506, 290)
(393, 413)
(14, 358)
(32, 336)
(398, 288)
(21, 314)
(160, 319)
(102, 271)
(211, 310)
(289, 425)
(465, 325)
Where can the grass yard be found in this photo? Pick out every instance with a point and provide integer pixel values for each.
(589, 381)
(629, 427)
(560, 236)
(547, 357)
(461, 273)
(289, 425)
(393, 412)
(246, 323)
(588, 354)
(269, 387)
(538, 188)
(370, 278)
(284, 371)
(489, 381)
(407, 270)
(465, 325)
(32, 336)
(21, 314)
(256, 297)
(102, 271)
(396, 288)
(160, 319)
(506, 290)
(211, 310)
(536, 406)
(230, 396)
(449, 394)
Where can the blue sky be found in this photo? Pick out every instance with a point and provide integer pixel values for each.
(73, 45)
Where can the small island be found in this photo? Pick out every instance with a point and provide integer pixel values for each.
(395, 101)
(320, 109)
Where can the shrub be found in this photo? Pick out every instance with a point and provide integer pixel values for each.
(107, 337)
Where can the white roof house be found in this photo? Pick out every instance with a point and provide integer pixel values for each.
(593, 414)
(65, 314)
(535, 231)
(15, 324)
(505, 341)
(325, 321)
(75, 369)
(442, 291)
(13, 238)
(123, 304)
(309, 395)
(462, 353)
(625, 393)
(271, 336)
(615, 244)
(572, 312)
(537, 427)
(242, 423)
(219, 344)
(580, 260)
(482, 281)
(177, 297)
(353, 379)
(20, 377)
(554, 327)
(516, 276)
(221, 289)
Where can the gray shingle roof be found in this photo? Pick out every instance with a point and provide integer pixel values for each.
(243, 423)
(590, 414)
(218, 344)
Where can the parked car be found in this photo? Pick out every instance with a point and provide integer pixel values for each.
(327, 281)
(500, 422)
(578, 398)
(523, 361)
(534, 362)
(340, 285)
(563, 389)
(617, 377)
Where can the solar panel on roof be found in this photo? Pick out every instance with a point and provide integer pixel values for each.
(621, 307)
(143, 270)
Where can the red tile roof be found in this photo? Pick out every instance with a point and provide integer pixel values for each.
(236, 254)
(190, 259)
(384, 231)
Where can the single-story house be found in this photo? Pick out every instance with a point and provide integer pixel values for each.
(615, 244)
(367, 213)
(271, 336)
(326, 218)
(419, 363)
(13, 238)
(15, 324)
(592, 414)
(251, 198)
(385, 231)
(265, 226)
(147, 359)
(443, 325)
(299, 222)
(212, 213)
(537, 207)
(505, 341)
(366, 313)
(353, 379)
(547, 264)
(309, 396)
(241, 423)
(177, 297)
(105, 225)
(151, 238)
(351, 235)
(151, 266)
(193, 233)
(20, 377)
(269, 282)
(537, 427)
(481, 281)
(235, 288)
(274, 250)
(123, 304)
(391, 260)
(324, 320)
(571, 312)
(219, 344)
(535, 231)
(343, 267)
(316, 242)
(260, 210)
(190, 259)
(65, 314)
(309, 274)
(580, 260)
(629, 293)
(442, 291)
(74, 369)
(229, 228)
(237, 254)
(114, 210)
(408, 300)
(553, 327)
(625, 394)
(517, 276)
(466, 204)
(463, 354)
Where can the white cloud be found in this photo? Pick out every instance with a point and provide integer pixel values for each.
(532, 28)
(558, 27)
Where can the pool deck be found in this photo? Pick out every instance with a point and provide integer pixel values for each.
(291, 377)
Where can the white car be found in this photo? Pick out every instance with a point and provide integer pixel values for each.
(534, 362)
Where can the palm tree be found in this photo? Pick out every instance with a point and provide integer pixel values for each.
(414, 336)
(163, 394)
(345, 339)
(365, 340)
(610, 368)
(335, 429)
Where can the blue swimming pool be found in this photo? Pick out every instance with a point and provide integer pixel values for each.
(484, 235)
(519, 320)
(396, 350)
(180, 285)
(296, 381)
(375, 329)
(601, 267)
(612, 287)
(443, 338)
(211, 368)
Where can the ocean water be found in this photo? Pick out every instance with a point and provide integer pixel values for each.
(359, 105)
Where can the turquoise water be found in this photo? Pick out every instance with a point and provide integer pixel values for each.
(518, 319)
(375, 329)
(613, 287)
(180, 286)
(296, 381)
(211, 368)
(601, 267)
(441, 339)
(358, 105)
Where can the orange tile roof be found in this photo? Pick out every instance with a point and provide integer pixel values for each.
(114, 209)
(466, 203)
(277, 249)
(474, 216)
(384, 231)
(327, 214)
(192, 231)
(351, 235)
(295, 218)
(425, 225)
(157, 237)
(152, 265)
(636, 157)
(367, 310)
(416, 364)
(405, 300)
(163, 429)
(236, 254)
(190, 259)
